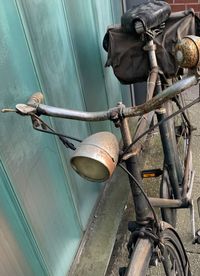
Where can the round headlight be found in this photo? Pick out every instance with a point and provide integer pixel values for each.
(96, 157)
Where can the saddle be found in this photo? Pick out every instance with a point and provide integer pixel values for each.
(151, 14)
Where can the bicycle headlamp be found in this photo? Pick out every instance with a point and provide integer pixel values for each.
(187, 52)
(96, 157)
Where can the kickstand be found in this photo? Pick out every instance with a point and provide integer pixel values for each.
(192, 219)
(197, 234)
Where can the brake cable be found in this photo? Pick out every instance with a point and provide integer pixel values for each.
(158, 124)
(64, 138)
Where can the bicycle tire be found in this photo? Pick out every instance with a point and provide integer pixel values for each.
(175, 257)
(181, 132)
(179, 136)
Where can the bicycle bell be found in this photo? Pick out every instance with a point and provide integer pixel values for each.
(96, 157)
(187, 52)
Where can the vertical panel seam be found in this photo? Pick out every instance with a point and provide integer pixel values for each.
(97, 38)
(112, 10)
(68, 179)
(22, 217)
(101, 61)
(74, 57)
(28, 45)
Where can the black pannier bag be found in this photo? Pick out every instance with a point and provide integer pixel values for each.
(128, 59)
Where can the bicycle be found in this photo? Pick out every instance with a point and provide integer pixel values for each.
(152, 241)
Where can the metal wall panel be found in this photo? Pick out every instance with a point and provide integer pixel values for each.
(53, 46)
(16, 251)
(55, 63)
(31, 160)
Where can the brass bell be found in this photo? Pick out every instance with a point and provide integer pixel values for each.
(96, 157)
(187, 52)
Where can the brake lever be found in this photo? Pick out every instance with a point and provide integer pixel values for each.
(6, 110)
(24, 109)
(29, 108)
(21, 109)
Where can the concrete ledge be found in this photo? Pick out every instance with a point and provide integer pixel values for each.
(97, 245)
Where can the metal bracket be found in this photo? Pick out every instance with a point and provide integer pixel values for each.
(161, 110)
(117, 114)
(149, 47)
(197, 237)
(197, 233)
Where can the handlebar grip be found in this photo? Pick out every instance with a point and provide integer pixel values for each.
(35, 99)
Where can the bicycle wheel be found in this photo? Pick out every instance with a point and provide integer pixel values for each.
(171, 260)
(179, 135)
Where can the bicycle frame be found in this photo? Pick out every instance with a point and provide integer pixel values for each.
(119, 116)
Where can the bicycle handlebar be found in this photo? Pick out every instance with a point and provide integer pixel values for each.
(161, 98)
(35, 105)
(74, 114)
(121, 110)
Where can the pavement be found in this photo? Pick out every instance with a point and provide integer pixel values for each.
(103, 249)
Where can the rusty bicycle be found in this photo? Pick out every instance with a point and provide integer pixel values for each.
(154, 244)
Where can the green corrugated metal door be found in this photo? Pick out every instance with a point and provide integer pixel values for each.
(53, 46)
